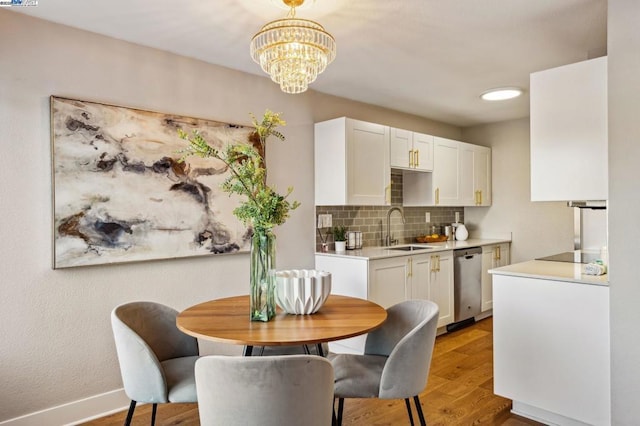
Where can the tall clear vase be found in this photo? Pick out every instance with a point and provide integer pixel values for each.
(262, 280)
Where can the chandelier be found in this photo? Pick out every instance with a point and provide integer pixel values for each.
(293, 51)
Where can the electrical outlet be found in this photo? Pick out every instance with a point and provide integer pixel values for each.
(325, 221)
(427, 217)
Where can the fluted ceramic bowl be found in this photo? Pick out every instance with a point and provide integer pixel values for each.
(302, 291)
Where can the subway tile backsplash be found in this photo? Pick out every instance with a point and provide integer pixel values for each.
(372, 220)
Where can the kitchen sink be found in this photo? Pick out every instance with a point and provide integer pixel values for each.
(410, 248)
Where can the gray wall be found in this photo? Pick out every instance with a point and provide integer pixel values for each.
(624, 207)
(540, 228)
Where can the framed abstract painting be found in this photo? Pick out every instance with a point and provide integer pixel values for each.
(120, 193)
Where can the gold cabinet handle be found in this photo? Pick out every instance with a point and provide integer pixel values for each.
(387, 193)
(437, 196)
(410, 158)
(410, 269)
(417, 154)
(435, 263)
(499, 253)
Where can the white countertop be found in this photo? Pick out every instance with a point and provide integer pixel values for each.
(382, 252)
(548, 270)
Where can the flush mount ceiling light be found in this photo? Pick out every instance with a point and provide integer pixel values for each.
(293, 51)
(501, 94)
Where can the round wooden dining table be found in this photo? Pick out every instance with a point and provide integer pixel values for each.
(227, 320)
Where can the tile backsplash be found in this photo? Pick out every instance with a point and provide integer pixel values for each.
(372, 220)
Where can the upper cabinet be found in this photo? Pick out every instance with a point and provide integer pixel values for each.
(569, 132)
(352, 163)
(481, 161)
(411, 150)
(461, 177)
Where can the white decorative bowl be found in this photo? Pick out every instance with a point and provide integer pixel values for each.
(302, 291)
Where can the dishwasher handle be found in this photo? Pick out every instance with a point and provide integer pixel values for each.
(467, 253)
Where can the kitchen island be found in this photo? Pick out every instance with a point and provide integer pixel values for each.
(551, 342)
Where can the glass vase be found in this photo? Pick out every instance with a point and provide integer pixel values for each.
(262, 279)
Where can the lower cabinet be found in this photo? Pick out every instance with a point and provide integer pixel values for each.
(422, 276)
(392, 280)
(493, 256)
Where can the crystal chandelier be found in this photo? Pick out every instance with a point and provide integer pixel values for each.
(293, 51)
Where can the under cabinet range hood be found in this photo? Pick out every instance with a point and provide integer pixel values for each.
(595, 205)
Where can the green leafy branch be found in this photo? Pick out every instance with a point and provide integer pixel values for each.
(263, 208)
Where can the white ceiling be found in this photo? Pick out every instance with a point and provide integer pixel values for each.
(431, 58)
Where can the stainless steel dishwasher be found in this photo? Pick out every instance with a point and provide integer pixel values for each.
(467, 286)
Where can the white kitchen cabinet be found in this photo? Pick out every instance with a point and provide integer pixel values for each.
(569, 132)
(351, 163)
(422, 276)
(461, 177)
(446, 172)
(551, 351)
(481, 175)
(493, 256)
(474, 175)
(411, 150)
(440, 286)
(390, 280)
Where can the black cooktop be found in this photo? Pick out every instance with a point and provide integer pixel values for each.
(572, 257)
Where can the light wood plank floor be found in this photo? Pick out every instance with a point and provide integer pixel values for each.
(459, 392)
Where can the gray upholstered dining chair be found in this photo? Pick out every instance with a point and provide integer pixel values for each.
(265, 390)
(396, 359)
(157, 360)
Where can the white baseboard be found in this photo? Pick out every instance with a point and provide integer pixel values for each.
(543, 416)
(75, 412)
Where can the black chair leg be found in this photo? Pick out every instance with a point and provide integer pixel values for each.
(340, 408)
(407, 402)
(153, 414)
(132, 408)
(416, 400)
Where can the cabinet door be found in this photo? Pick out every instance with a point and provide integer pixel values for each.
(446, 185)
(423, 152)
(493, 256)
(389, 281)
(569, 132)
(440, 288)
(400, 148)
(482, 175)
(502, 255)
(368, 170)
(466, 170)
(420, 270)
(488, 253)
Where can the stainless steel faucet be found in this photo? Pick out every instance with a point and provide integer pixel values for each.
(387, 240)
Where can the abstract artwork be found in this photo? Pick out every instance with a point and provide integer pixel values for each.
(122, 195)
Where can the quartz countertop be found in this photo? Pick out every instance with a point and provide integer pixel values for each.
(549, 270)
(384, 252)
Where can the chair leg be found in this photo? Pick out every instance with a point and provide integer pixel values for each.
(340, 409)
(416, 400)
(153, 414)
(407, 402)
(132, 408)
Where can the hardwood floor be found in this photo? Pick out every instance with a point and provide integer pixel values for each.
(459, 392)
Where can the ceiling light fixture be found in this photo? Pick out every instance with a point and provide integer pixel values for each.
(293, 51)
(501, 94)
